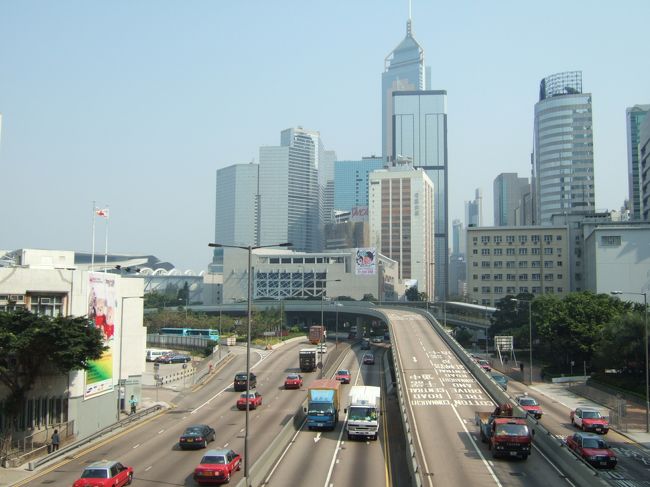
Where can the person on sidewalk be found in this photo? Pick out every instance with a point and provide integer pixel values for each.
(56, 440)
(133, 402)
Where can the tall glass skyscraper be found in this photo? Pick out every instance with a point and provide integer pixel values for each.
(351, 182)
(420, 137)
(634, 117)
(403, 71)
(509, 191)
(563, 148)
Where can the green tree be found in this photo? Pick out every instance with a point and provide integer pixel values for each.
(33, 345)
(463, 336)
(621, 343)
(412, 294)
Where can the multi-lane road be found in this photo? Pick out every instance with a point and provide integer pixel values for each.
(441, 398)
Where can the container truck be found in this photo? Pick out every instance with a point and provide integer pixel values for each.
(316, 334)
(506, 434)
(323, 404)
(363, 412)
(307, 357)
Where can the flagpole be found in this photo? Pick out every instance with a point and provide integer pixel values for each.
(92, 254)
(108, 214)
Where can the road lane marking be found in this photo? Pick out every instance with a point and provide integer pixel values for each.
(317, 438)
(161, 431)
(148, 468)
(415, 360)
(135, 446)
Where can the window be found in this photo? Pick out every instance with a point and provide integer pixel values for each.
(548, 264)
(535, 264)
(523, 289)
(523, 239)
(511, 277)
(536, 289)
(510, 251)
(548, 277)
(534, 239)
(475, 252)
(485, 263)
(475, 276)
(46, 304)
(523, 277)
(560, 289)
(534, 251)
(523, 264)
(498, 239)
(535, 277)
(498, 251)
(485, 239)
(498, 289)
(485, 289)
(559, 276)
(475, 289)
(498, 277)
(474, 240)
(559, 263)
(498, 264)
(510, 239)
(558, 238)
(548, 251)
(510, 264)
(474, 264)
(485, 251)
(548, 239)
(523, 251)
(485, 277)
(511, 290)
(610, 241)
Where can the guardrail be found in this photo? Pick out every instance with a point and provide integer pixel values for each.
(581, 474)
(98, 434)
(262, 467)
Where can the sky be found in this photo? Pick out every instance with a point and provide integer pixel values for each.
(136, 104)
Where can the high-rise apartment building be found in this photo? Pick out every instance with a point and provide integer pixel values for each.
(509, 196)
(644, 168)
(420, 137)
(290, 193)
(563, 148)
(403, 71)
(401, 208)
(457, 263)
(351, 182)
(634, 117)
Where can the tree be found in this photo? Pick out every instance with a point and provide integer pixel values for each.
(621, 344)
(33, 345)
(412, 294)
(463, 336)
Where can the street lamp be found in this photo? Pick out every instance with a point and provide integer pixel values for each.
(250, 249)
(530, 333)
(647, 365)
(120, 391)
(338, 305)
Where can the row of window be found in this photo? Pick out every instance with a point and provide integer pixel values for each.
(514, 277)
(521, 264)
(38, 413)
(520, 289)
(510, 239)
(40, 304)
(520, 251)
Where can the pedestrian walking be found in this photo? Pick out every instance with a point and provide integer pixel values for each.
(133, 402)
(56, 439)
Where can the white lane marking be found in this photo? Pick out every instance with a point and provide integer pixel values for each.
(241, 430)
(476, 448)
(317, 438)
(226, 445)
(161, 431)
(135, 446)
(415, 360)
(148, 468)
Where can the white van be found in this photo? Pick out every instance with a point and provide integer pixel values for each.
(154, 353)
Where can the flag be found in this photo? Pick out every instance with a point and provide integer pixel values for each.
(101, 212)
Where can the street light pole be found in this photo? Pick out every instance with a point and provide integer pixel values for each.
(249, 249)
(120, 386)
(530, 333)
(647, 364)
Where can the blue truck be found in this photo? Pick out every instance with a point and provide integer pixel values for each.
(323, 404)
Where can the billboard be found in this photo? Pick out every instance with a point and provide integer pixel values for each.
(366, 261)
(359, 214)
(102, 305)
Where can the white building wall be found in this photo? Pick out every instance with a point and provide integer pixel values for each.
(274, 188)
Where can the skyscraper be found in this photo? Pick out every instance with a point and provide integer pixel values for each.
(401, 207)
(634, 117)
(563, 148)
(420, 136)
(351, 182)
(403, 71)
(509, 193)
(474, 210)
(290, 193)
(644, 168)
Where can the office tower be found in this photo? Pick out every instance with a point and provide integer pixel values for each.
(236, 220)
(326, 183)
(420, 137)
(457, 264)
(474, 210)
(509, 193)
(290, 193)
(403, 71)
(351, 182)
(401, 209)
(634, 117)
(644, 168)
(563, 148)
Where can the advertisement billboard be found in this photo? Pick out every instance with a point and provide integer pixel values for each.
(366, 261)
(102, 306)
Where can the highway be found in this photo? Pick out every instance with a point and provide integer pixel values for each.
(441, 398)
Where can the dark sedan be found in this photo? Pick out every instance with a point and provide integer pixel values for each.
(197, 436)
(174, 359)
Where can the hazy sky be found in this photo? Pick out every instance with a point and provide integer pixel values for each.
(136, 104)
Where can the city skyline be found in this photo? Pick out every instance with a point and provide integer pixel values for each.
(136, 106)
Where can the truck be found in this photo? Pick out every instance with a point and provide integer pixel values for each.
(307, 358)
(506, 434)
(363, 412)
(316, 334)
(323, 404)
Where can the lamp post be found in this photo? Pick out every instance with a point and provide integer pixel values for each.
(338, 305)
(119, 373)
(530, 333)
(220, 334)
(250, 249)
(647, 365)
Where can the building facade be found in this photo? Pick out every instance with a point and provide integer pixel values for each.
(505, 261)
(351, 182)
(46, 282)
(401, 210)
(403, 71)
(634, 117)
(474, 210)
(290, 193)
(509, 192)
(644, 169)
(563, 148)
(420, 136)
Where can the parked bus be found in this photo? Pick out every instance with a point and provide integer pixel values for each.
(192, 332)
